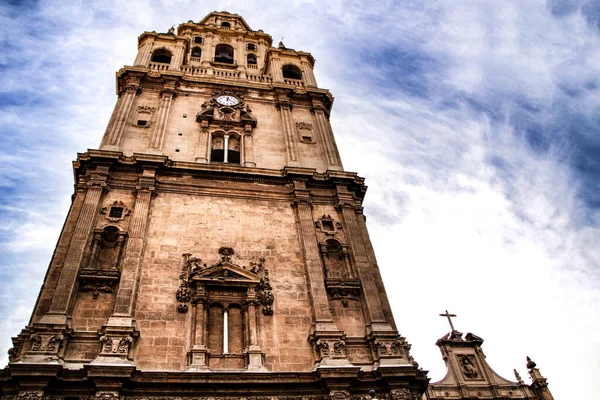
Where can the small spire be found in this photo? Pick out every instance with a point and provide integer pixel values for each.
(281, 45)
(530, 363)
(519, 379)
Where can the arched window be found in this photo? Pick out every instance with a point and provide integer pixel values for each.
(196, 52)
(225, 24)
(224, 54)
(161, 56)
(233, 150)
(217, 149)
(198, 40)
(291, 72)
(251, 59)
(219, 143)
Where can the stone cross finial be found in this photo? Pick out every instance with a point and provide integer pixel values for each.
(448, 315)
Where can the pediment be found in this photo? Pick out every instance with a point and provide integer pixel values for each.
(225, 272)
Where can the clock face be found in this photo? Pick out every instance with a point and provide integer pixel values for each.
(227, 100)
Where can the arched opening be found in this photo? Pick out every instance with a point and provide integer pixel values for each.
(215, 329)
(233, 150)
(224, 54)
(225, 24)
(196, 52)
(217, 148)
(291, 72)
(161, 56)
(251, 59)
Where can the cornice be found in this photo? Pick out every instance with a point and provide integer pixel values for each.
(199, 172)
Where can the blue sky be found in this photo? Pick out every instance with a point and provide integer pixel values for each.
(476, 124)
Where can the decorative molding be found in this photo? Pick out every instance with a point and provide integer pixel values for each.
(193, 272)
(304, 125)
(468, 366)
(116, 345)
(107, 209)
(145, 109)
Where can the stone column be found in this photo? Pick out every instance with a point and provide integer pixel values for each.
(241, 50)
(225, 147)
(307, 73)
(249, 151)
(207, 51)
(203, 146)
(276, 72)
(63, 295)
(58, 259)
(324, 128)
(132, 260)
(177, 58)
(164, 107)
(312, 260)
(285, 111)
(143, 55)
(95, 248)
(118, 122)
(374, 312)
(254, 353)
(387, 309)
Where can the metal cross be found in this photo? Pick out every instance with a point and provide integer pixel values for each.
(448, 315)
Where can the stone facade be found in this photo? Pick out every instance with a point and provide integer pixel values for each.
(215, 247)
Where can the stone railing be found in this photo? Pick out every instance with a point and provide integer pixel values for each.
(225, 73)
(158, 66)
(295, 82)
(253, 66)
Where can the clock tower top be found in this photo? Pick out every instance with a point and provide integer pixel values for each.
(217, 92)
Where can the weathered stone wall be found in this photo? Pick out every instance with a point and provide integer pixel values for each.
(182, 137)
(201, 225)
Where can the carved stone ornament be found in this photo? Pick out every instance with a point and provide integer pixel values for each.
(115, 345)
(468, 366)
(401, 394)
(194, 271)
(304, 125)
(330, 348)
(327, 225)
(107, 395)
(98, 280)
(30, 395)
(113, 216)
(46, 343)
(390, 348)
(145, 109)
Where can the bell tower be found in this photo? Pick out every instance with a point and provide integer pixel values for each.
(215, 246)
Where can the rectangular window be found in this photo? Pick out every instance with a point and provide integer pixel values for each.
(142, 122)
(116, 212)
(327, 225)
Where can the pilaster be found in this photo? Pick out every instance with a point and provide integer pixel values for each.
(373, 313)
(324, 129)
(120, 116)
(284, 106)
(164, 107)
(63, 295)
(132, 260)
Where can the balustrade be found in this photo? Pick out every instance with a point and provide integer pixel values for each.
(159, 66)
